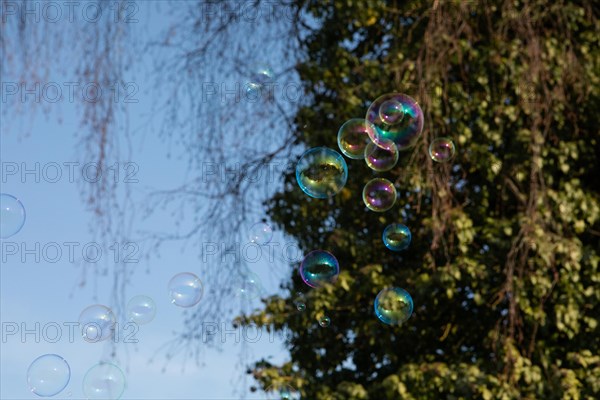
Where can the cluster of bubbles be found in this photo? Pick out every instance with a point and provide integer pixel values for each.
(393, 123)
(12, 215)
(49, 374)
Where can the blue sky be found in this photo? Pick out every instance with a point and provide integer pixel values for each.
(47, 292)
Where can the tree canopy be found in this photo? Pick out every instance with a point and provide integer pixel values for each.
(503, 264)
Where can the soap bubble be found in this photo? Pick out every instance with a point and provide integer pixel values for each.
(260, 233)
(396, 237)
(248, 285)
(48, 375)
(97, 323)
(104, 381)
(391, 112)
(141, 309)
(321, 172)
(185, 289)
(441, 149)
(282, 392)
(260, 76)
(12, 215)
(393, 306)
(353, 137)
(300, 301)
(396, 117)
(324, 321)
(381, 159)
(318, 268)
(379, 195)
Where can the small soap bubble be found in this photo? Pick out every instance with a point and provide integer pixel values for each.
(396, 237)
(104, 381)
(393, 306)
(97, 323)
(48, 375)
(185, 289)
(442, 149)
(318, 268)
(12, 215)
(379, 158)
(260, 233)
(141, 309)
(321, 172)
(379, 195)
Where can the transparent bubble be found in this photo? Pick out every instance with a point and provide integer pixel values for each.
(104, 381)
(300, 301)
(260, 76)
(185, 289)
(141, 309)
(402, 128)
(391, 112)
(12, 215)
(396, 237)
(48, 375)
(442, 149)
(260, 233)
(321, 172)
(393, 306)
(248, 285)
(324, 321)
(97, 323)
(282, 392)
(353, 137)
(381, 159)
(318, 268)
(379, 195)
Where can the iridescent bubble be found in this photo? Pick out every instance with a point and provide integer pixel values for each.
(379, 195)
(185, 289)
(391, 112)
(321, 172)
(282, 392)
(353, 137)
(104, 381)
(318, 268)
(324, 321)
(381, 159)
(141, 309)
(442, 149)
(248, 285)
(396, 237)
(401, 127)
(12, 215)
(393, 306)
(97, 323)
(300, 301)
(48, 375)
(260, 233)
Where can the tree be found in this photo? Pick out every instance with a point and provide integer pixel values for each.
(503, 264)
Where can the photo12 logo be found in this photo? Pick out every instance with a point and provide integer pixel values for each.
(53, 332)
(54, 252)
(68, 11)
(71, 171)
(70, 92)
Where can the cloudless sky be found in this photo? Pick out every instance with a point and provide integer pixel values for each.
(48, 292)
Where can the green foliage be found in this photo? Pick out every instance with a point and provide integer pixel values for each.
(503, 266)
